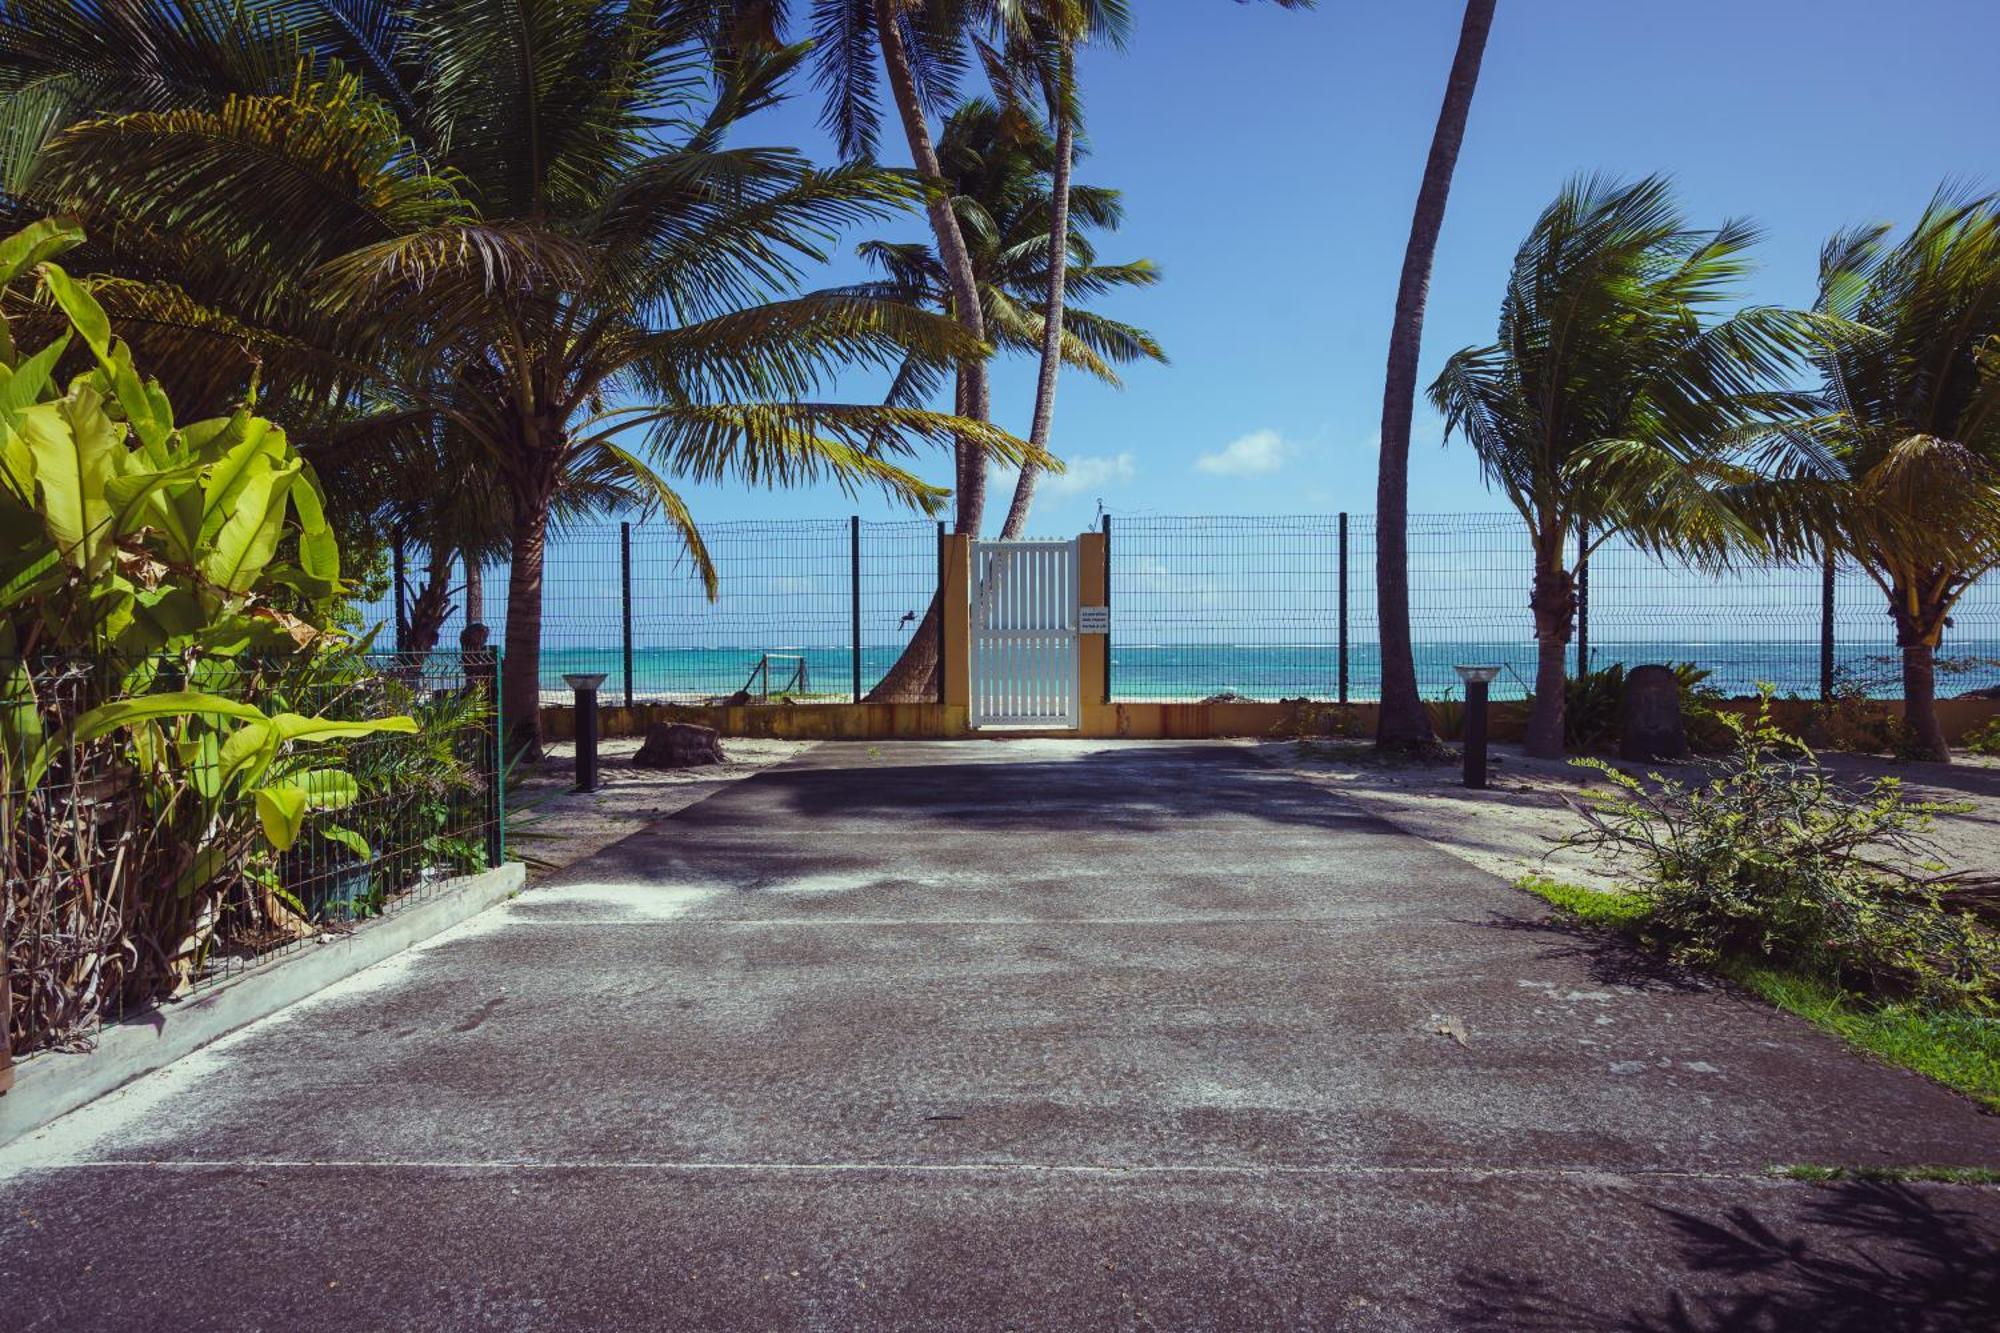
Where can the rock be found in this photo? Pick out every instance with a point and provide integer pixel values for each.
(1653, 725)
(678, 745)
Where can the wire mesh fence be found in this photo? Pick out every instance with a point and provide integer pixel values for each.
(168, 824)
(812, 609)
(1262, 607)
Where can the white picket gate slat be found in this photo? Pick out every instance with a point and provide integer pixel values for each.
(1024, 635)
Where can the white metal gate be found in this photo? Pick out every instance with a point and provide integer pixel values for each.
(1024, 640)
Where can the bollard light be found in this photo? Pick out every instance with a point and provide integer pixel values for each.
(1477, 679)
(584, 684)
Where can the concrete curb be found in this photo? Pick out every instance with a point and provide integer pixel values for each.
(55, 1083)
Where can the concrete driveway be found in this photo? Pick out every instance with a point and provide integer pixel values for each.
(1029, 1035)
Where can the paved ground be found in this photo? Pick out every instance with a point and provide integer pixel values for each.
(1008, 1036)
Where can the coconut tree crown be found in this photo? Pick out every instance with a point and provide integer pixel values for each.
(524, 222)
(1615, 400)
(1899, 473)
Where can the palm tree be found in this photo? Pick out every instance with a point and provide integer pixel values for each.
(999, 168)
(1611, 402)
(1403, 723)
(1036, 49)
(921, 44)
(1037, 45)
(998, 165)
(523, 221)
(1901, 475)
(921, 49)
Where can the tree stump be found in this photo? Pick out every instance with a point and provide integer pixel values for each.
(678, 745)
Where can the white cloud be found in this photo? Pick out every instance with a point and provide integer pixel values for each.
(1086, 473)
(1249, 455)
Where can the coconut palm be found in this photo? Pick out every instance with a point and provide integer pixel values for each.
(998, 164)
(999, 169)
(922, 46)
(523, 221)
(1612, 402)
(1035, 54)
(1402, 722)
(1901, 476)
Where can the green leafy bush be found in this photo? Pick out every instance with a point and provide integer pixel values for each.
(155, 578)
(1770, 859)
(1984, 739)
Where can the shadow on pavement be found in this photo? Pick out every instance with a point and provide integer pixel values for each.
(1109, 790)
(1864, 1258)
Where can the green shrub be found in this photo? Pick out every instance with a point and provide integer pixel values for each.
(1594, 708)
(1769, 859)
(156, 576)
(1448, 716)
(1984, 739)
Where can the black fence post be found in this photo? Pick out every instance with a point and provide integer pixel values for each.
(1475, 733)
(401, 592)
(584, 686)
(1826, 578)
(944, 641)
(1582, 599)
(1107, 607)
(854, 593)
(625, 600)
(1343, 607)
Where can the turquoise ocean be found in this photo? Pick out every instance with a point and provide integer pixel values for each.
(1272, 671)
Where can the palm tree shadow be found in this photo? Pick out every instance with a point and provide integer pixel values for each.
(1862, 1258)
(1610, 959)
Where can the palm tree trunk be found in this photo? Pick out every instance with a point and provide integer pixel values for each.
(1920, 620)
(475, 589)
(432, 604)
(1920, 716)
(1554, 605)
(521, 672)
(914, 677)
(952, 251)
(1052, 329)
(1404, 723)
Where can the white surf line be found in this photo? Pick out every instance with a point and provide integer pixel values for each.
(1065, 1169)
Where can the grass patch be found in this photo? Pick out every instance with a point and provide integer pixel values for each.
(1937, 1175)
(1959, 1050)
(1608, 910)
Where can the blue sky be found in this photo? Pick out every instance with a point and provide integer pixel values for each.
(1269, 161)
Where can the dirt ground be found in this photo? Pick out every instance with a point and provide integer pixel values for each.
(555, 825)
(1508, 828)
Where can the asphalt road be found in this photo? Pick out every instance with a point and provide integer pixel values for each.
(1020, 1035)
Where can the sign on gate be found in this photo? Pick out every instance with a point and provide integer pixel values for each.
(1024, 634)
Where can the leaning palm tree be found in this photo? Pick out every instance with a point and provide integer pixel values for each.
(922, 47)
(1034, 52)
(1611, 403)
(566, 263)
(1901, 476)
(1403, 723)
(998, 166)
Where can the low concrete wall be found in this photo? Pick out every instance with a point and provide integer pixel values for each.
(53, 1083)
(1138, 721)
(779, 721)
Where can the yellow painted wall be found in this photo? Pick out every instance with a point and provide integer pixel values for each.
(1137, 721)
